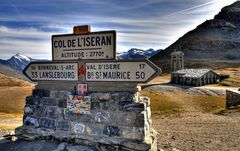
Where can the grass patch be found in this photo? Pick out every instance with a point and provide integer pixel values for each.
(230, 82)
(9, 115)
(11, 81)
(162, 104)
(179, 102)
(8, 127)
(211, 104)
(234, 77)
(12, 99)
(13, 92)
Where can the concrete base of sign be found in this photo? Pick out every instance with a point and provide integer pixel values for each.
(118, 119)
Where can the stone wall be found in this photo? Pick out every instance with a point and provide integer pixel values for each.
(115, 118)
(232, 98)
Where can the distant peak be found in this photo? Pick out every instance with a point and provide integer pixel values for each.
(19, 54)
(22, 57)
(230, 13)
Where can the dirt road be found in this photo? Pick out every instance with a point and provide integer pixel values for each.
(199, 131)
(198, 125)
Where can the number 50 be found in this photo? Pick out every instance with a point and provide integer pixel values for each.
(140, 75)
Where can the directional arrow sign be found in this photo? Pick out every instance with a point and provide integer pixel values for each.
(93, 45)
(39, 71)
(122, 70)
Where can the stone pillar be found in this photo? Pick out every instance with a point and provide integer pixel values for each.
(172, 78)
(177, 61)
(204, 80)
(208, 78)
(177, 79)
(200, 81)
(184, 80)
(232, 99)
(182, 60)
(119, 119)
(190, 81)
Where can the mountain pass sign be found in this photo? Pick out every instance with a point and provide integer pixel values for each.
(93, 45)
(51, 71)
(138, 71)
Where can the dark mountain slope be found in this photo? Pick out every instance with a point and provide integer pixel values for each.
(213, 44)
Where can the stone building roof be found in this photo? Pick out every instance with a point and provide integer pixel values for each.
(234, 91)
(192, 73)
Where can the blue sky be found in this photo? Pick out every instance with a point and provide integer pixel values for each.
(26, 26)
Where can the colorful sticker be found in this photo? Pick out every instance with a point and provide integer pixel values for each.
(82, 89)
(78, 104)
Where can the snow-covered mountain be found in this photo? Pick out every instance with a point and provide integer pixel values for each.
(17, 62)
(137, 53)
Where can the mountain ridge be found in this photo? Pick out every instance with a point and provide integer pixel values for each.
(137, 53)
(215, 41)
(17, 62)
(14, 66)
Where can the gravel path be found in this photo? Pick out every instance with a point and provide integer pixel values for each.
(195, 130)
(191, 131)
(168, 89)
(199, 131)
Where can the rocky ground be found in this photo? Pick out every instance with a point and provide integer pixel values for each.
(42, 145)
(199, 131)
(194, 122)
(199, 121)
(188, 131)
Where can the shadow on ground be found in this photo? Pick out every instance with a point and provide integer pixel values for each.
(41, 145)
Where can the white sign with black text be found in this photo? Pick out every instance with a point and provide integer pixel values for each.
(38, 71)
(94, 45)
(117, 71)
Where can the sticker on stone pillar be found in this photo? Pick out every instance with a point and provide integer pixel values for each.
(102, 117)
(78, 128)
(82, 89)
(31, 121)
(78, 104)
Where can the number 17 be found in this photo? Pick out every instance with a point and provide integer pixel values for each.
(142, 66)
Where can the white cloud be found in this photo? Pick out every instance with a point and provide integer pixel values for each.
(24, 33)
(154, 31)
(29, 41)
(33, 49)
